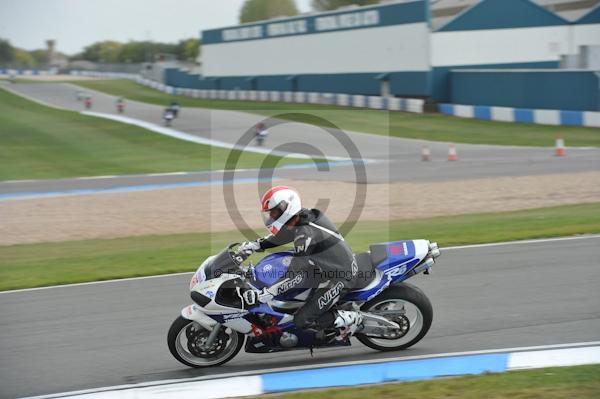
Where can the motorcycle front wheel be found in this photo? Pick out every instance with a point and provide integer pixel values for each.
(186, 340)
(405, 305)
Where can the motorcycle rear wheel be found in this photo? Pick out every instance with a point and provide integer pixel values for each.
(415, 316)
(183, 338)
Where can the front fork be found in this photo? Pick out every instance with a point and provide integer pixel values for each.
(194, 313)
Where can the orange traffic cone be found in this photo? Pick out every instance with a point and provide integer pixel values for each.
(452, 153)
(425, 154)
(560, 151)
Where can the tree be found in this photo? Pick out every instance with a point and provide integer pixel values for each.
(39, 56)
(106, 51)
(135, 52)
(7, 52)
(326, 5)
(258, 10)
(24, 58)
(188, 49)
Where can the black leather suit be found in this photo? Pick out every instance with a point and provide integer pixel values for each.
(322, 262)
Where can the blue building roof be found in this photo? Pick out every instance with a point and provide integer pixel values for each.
(592, 17)
(503, 14)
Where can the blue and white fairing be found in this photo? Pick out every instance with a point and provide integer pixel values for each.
(402, 257)
(273, 268)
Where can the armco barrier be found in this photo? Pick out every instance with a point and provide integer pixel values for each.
(520, 115)
(343, 100)
(359, 373)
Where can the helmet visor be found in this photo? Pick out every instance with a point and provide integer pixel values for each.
(271, 216)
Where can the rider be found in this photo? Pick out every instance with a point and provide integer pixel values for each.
(175, 107)
(261, 133)
(322, 261)
(120, 104)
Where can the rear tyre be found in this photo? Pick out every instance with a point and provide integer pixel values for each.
(414, 316)
(186, 338)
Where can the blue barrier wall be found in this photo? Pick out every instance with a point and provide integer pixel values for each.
(350, 83)
(564, 90)
(235, 83)
(440, 76)
(403, 84)
(178, 78)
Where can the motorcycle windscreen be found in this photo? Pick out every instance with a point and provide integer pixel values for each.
(220, 264)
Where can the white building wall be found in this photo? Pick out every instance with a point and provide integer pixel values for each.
(515, 45)
(499, 46)
(388, 48)
(586, 35)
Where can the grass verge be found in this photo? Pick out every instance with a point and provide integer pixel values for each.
(35, 265)
(435, 127)
(39, 142)
(550, 383)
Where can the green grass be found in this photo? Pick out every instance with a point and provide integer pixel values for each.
(34, 265)
(38, 142)
(436, 127)
(552, 383)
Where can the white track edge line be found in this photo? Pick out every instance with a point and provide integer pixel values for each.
(315, 366)
(520, 242)
(504, 243)
(115, 280)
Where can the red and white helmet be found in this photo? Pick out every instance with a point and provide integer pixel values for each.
(279, 205)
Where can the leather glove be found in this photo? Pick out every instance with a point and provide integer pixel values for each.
(248, 248)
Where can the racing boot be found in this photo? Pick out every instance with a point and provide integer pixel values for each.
(347, 322)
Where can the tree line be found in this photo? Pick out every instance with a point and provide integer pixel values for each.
(10, 55)
(112, 52)
(108, 51)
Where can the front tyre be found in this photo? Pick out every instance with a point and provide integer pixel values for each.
(405, 305)
(187, 338)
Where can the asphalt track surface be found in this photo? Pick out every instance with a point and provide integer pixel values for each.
(397, 159)
(490, 297)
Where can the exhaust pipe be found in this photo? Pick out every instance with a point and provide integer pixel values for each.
(434, 251)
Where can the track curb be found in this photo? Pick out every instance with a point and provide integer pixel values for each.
(355, 373)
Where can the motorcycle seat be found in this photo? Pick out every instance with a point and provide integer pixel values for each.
(366, 271)
(378, 253)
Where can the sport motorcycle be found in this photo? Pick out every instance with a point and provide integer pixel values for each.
(212, 330)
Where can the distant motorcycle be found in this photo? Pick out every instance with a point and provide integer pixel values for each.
(261, 134)
(120, 106)
(168, 117)
(210, 332)
(88, 102)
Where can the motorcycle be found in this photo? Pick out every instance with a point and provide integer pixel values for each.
(212, 330)
(168, 117)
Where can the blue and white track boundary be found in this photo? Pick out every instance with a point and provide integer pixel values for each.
(348, 374)
(522, 115)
